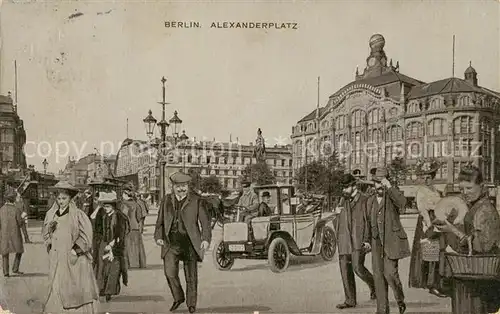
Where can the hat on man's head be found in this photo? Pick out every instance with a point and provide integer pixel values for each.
(107, 197)
(180, 178)
(129, 186)
(245, 183)
(380, 174)
(266, 194)
(10, 194)
(347, 179)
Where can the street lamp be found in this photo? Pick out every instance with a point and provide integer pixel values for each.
(163, 128)
(149, 123)
(175, 120)
(183, 139)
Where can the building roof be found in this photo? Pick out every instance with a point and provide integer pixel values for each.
(312, 115)
(384, 79)
(5, 99)
(449, 85)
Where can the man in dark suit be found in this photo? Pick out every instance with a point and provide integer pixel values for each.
(388, 240)
(178, 233)
(352, 224)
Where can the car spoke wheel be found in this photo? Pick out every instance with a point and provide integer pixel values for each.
(222, 259)
(278, 255)
(329, 244)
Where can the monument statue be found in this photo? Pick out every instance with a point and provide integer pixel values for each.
(260, 148)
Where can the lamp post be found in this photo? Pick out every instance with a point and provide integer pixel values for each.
(183, 139)
(163, 127)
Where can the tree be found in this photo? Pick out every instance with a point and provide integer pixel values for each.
(322, 176)
(211, 185)
(398, 170)
(259, 173)
(196, 178)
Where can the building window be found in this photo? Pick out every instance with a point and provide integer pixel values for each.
(413, 107)
(463, 148)
(438, 127)
(340, 122)
(358, 118)
(436, 103)
(375, 116)
(374, 136)
(463, 125)
(325, 124)
(414, 130)
(394, 133)
(464, 101)
(282, 162)
(357, 148)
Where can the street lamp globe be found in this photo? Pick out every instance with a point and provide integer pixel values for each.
(175, 120)
(149, 124)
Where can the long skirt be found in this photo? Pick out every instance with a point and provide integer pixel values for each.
(136, 254)
(423, 274)
(108, 274)
(475, 296)
(54, 304)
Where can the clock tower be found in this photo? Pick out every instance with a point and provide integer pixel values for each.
(376, 63)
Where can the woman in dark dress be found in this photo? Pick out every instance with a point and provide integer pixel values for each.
(481, 231)
(111, 251)
(425, 254)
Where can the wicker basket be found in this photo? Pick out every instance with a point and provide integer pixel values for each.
(468, 266)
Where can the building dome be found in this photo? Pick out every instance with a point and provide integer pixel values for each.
(377, 42)
(470, 69)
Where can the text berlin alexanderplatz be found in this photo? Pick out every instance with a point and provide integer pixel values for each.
(240, 25)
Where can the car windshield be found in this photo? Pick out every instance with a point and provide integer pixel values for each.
(274, 198)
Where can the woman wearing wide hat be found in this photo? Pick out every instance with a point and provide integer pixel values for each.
(67, 233)
(424, 264)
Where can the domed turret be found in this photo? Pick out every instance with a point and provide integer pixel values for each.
(377, 42)
(470, 75)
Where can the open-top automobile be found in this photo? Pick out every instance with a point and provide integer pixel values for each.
(298, 228)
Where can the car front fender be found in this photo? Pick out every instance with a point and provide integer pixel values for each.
(285, 236)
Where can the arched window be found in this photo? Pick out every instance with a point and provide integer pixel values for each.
(298, 148)
(464, 101)
(393, 112)
(358, 118)
(394, 133)
(436, 103)
(374, 116)
(414, 130)
(463, 125)
(413, 107)
(340, 122)
(374, 136)
(357, 147)
(438, 127)
(325, 124)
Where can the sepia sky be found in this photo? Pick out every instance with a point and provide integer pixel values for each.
(79, 79)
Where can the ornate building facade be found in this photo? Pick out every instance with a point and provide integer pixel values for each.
(12, 137)
(384, 113)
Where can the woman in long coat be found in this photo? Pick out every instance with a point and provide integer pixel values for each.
(11, 240)
(110, 266)
(67, 232)
(136, 253)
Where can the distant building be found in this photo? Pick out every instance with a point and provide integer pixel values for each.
(91, 167)
(224, 160)
(384, 113)
(12, 137)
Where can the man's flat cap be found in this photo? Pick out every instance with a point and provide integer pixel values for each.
(179, 177)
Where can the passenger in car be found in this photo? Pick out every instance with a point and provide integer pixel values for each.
(263, 210)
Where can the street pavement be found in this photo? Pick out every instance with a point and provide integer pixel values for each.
(308, 286)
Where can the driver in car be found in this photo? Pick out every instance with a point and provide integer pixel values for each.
(264, 210)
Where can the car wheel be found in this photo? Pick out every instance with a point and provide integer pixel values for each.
(221, 257)
(278, 255)
(329, 244)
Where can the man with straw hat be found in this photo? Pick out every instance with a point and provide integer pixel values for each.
(387, 239)
(178, 233)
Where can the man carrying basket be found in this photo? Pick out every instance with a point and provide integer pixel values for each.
(475, 264)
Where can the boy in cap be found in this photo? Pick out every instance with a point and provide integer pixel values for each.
(178, 233)
(351, 227)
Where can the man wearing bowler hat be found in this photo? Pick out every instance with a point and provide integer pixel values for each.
(178, 233)
(352, 224)
(388, 240)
